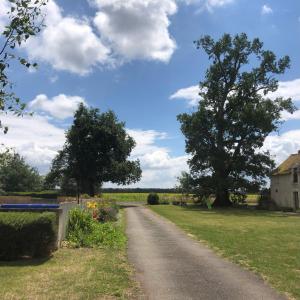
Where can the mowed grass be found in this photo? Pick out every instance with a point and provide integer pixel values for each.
(265, 242)
(85, 273)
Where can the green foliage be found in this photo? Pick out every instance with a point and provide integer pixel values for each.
(234, 116)
(164, 202)
(24, 21)
(96, 151)
(80, 226)
(108, 213)
(153, 199)
(265, 201)
(42, 194)
(16, 175)
(27, 234)
(184, 185)
(84, 231)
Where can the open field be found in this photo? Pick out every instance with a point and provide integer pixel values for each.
(142, 197)
(139, 197)
(84, 273)
(265, 242)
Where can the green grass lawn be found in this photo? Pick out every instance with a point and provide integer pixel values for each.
(265, 242)
(84, 273)
(69, 274)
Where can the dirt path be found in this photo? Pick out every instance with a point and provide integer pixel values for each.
(170, 265)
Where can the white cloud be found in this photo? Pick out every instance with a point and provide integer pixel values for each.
(288, 89)
(285, 116)
(208, 5)
(34, 138)
(160, 168)
(67, 43)
(137, 29)
(211, 4)
(61, 106)
(4, 7)
(121, 31)
(281, 146)
(191, 94)
(266, 10)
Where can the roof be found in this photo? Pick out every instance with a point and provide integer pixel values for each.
(286, 167)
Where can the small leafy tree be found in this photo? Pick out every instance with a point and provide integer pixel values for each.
(25, 20)
(96, 151)
(234, 116)
(16, 175)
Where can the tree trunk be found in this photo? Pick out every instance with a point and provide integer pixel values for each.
(77, 192)
(91, 189)
(222, 199)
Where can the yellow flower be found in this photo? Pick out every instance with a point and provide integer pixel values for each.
(91, 204)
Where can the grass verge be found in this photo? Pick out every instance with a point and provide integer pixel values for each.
(264, 242)
(83, 273)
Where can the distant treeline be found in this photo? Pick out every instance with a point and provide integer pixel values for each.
(138, 190)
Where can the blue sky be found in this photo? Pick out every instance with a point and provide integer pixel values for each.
(137, 58)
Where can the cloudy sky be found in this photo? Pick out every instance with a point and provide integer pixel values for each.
(137, 57)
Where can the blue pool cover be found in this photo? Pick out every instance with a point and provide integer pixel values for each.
(30, 206)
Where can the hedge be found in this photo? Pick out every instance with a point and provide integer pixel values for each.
(41, 195)
(153, 199)
(27, 234)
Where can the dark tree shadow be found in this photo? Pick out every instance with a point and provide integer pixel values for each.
(129, 204)
(24, 262)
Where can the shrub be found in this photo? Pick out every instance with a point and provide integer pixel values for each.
(107, 235)
(265, 201)
(43, 195)
(153, 199)
(80, 225)
(108, 214)
(86, 196)
(30, 234)
(164, 202)
(103, 210)
(84, 231)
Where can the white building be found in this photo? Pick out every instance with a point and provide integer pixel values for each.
(285, 183)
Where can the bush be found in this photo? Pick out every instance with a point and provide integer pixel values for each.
(43, 195)
(265, 201)
(164, 202)
(153, 199)
(30, 234)
(108, 214)
(84, 231)
(85, 196)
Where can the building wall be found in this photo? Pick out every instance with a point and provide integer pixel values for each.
(282, 188)
(63, 220)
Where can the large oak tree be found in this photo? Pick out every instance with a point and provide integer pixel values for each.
(235, 114)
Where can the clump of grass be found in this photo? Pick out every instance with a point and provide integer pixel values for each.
(84, 231)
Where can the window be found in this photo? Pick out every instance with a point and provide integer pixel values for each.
(295, 175)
